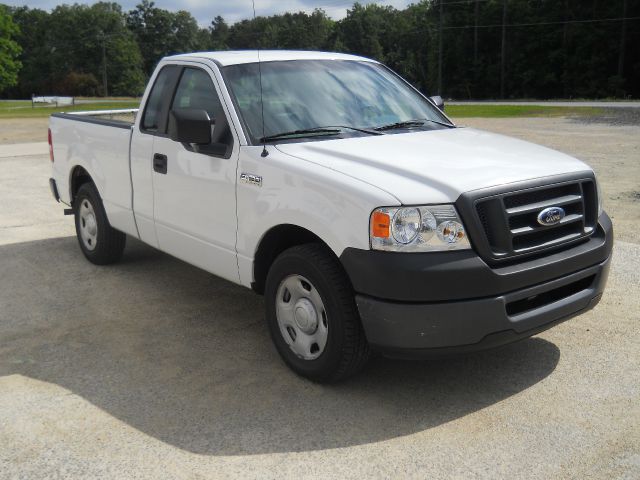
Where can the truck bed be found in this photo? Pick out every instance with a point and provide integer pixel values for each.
(98, 142)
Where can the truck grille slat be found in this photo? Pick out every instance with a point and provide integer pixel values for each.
(530, 229)
(553, 202)
(509, 220)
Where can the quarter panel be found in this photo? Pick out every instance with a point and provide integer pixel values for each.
(103, 151)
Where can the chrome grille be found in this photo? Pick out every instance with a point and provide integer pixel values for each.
(509, 223)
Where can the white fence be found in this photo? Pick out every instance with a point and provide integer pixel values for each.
(52, 100)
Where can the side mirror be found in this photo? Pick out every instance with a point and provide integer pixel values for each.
(190, 125)
(437, 100)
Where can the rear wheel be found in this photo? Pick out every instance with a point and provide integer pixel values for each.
(312, 315)
(100, 243)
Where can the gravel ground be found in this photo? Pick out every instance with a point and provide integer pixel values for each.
(553, 103)
(613, 116)
(20, 130)
(154, 369)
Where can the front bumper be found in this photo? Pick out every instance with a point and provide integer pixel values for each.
(454, 302)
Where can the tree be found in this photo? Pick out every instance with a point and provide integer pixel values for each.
(366, 29)
(152, 30)
(94, 39)
(62, 51)
(159, 32)
(32, 36)
(219, 32)
(552, 48)
(9, 50)
(185, 33)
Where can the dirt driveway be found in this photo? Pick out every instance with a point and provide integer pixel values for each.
(21, 130)
(154, 369)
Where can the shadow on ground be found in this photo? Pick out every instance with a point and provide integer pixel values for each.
(186, 358)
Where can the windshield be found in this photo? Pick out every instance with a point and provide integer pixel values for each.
(307, 94)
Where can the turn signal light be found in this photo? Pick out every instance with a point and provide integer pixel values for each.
(380, 225)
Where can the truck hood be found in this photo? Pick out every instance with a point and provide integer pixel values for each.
(435, 166)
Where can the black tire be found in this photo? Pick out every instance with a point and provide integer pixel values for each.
(108, 245)
(346, 350)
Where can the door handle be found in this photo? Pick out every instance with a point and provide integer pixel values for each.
(160, 163)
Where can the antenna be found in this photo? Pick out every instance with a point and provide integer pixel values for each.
(264, 143)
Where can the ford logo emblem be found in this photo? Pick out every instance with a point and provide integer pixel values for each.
(551, 216)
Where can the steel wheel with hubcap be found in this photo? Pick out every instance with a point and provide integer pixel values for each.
(312, 315)
(99, 241)
(302, 317)
(88, 225)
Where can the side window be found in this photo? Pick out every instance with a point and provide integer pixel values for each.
(196, 90)
(155, 112)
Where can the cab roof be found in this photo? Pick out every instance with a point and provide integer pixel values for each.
(234, 57)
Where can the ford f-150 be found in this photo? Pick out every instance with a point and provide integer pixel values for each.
(367, 219)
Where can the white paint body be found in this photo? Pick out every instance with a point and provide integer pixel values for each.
(201, 213)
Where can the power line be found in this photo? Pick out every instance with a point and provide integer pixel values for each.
(560, 22)
(496, 25)
(458, 2)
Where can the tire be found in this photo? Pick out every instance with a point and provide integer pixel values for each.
(100, 243)
(306, 285)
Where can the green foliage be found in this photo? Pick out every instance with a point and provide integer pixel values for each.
(63, 51)
(509, 111)
(77, 83)
(289, 31)
(24, 109)
(219, 34)
(9, 50)
(553, 49)
(159, 33)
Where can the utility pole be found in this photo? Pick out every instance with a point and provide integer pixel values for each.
(475, 33)
(565, 55)
(476, 69)
(503, 47)
(440, 51)
(104, 64)
(623, 34)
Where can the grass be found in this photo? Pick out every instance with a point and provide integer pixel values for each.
(509, 111)
(22, 108)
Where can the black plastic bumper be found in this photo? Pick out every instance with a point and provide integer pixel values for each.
(54, 189)
(414, 304)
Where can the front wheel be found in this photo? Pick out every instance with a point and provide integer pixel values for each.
(99, 241)
(312, 315)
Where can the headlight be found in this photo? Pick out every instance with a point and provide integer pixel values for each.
(405, 225)
(417, 229)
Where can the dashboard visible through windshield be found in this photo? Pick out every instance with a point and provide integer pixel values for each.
(302, 95)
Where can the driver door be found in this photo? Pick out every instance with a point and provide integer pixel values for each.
(194, 193)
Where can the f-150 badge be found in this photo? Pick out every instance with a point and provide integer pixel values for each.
(251, 179)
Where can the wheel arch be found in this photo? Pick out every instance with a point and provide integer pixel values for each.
(77, 177)
(275, 241)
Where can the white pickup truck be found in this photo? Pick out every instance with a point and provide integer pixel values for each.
(327, 183)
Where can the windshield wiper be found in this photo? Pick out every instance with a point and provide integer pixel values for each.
(320, 131)
(328, 130)
(370, 131)
(410, 123)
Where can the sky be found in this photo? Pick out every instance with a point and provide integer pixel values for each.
(231, 10)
